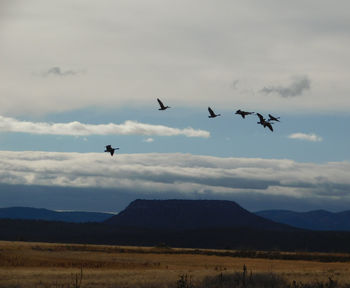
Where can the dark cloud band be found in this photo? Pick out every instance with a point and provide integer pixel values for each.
(296, 88)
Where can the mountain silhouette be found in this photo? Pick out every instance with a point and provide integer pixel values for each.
(190, 214)
(312, 220)
(179, 223)
(50, 215)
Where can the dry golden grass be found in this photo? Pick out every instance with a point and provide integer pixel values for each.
(25, 265)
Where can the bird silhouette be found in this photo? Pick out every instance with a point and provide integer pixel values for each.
(110, 149)
(243, 113)
(264, 123)
(162, 107)
(272, 118)
(212, 114)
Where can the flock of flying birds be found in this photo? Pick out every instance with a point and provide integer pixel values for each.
(265, 123)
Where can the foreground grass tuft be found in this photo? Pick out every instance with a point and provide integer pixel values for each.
(244, 280)
(260, 280)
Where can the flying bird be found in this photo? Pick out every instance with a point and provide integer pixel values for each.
(212, 114)
(162, 107)
(243, 113)
(110, 149)
(272, 118)
(263, 122)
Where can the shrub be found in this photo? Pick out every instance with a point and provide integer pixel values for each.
(237, 280)
(184, 281)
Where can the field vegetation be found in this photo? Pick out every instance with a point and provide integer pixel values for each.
(41, 265)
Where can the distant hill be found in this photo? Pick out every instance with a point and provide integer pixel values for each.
(245, 239)
(50, 215)
(190, 214)
(313, 220)
(179, 223)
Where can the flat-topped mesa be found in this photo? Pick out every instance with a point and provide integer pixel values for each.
(190, 214)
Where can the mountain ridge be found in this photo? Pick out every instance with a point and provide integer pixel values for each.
(180, 223)
(321, 220)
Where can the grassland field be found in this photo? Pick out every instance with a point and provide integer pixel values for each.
(29, 264)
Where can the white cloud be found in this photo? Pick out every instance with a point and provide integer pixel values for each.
(148, 140)
(75, 128)
(182, 173)
(307, 137)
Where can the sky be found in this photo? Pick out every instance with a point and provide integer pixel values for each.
(79, 75)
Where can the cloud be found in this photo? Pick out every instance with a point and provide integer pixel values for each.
(188, 54)
(184, 174)
(307, 137)
(148, 140)
(296, 88)
(76, 128)
(56, 71)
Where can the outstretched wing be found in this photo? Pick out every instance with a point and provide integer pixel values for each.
(274, 118)
(112, 152)
(160, 103)
(261, 118)
(108, 147)
(268, 124)
(211, 112)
